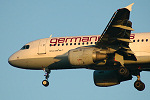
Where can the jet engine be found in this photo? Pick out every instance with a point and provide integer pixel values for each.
(108, 78)
(85, 56)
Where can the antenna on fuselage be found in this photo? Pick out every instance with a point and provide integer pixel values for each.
(50, 36)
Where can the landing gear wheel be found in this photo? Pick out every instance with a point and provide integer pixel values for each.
(139, 85)
(123, 71)
(47, 72)
(45, 83)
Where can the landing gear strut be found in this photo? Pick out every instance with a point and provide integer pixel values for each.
(138, 84)
(123, 71)
(47, 72)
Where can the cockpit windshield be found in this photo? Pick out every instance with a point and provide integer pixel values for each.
(25, 47)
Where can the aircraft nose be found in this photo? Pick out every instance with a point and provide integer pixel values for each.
(16, 61)
(11, 60)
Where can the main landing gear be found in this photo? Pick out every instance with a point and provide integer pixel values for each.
(123, 71)
(138, 84)
(47, 72)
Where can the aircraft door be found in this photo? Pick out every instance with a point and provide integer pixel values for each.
(42, 46)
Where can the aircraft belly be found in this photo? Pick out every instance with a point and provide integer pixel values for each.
(61, 62)
(50, 62)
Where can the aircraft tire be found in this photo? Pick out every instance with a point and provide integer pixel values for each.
(139, 85)
(45, 83)
(123, 71)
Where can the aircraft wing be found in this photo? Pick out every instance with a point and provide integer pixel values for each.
(116, 35)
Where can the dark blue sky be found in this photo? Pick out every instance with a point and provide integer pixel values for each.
(22, 21)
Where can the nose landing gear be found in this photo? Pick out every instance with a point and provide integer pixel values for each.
(45, 83)
(47, 72)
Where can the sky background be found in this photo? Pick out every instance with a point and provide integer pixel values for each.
(22, 21)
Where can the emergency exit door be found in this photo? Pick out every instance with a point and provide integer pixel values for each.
(42, 46)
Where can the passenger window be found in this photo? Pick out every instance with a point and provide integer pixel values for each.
(87, 43)
(70, 43)
(91, 42)
(95, 42)
(146, 40)
(83, 43)
(78, 43)
(138, 40)
(133, 40)
(58, 44)
(62, 44)
(74, 43)
(66, 43)
(142, 40)
(54, 44)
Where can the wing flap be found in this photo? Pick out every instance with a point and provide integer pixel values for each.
(124, 40)
(123, 27)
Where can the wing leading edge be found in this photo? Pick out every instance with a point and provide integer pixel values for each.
(116, 35)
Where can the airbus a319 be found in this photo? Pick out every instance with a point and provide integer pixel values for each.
(115, 56)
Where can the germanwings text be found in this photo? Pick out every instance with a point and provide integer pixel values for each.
(79, 39)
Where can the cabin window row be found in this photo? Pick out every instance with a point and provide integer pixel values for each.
(83, 43)
(143, 40)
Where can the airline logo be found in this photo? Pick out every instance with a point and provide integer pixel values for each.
(79, 39)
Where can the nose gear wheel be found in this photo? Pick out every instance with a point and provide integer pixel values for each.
(45, 83)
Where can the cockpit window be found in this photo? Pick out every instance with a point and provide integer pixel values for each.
(25, 47)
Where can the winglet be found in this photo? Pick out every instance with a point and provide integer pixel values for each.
(129, 7)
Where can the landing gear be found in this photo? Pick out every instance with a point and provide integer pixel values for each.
(123, 71)
(47, 72)
(138, 84)
(45, 83)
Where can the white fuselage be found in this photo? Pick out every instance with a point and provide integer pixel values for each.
(52, 52)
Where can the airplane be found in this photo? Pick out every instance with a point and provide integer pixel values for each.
(115, 56)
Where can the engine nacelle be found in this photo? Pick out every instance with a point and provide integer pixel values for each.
(108, 78)
(85, 56)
